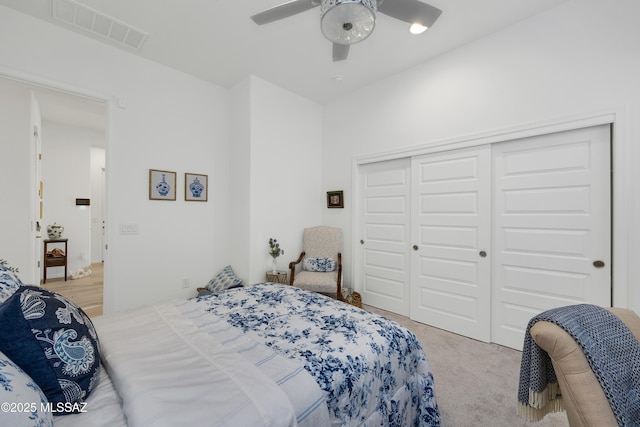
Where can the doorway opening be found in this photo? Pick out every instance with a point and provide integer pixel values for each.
(67, 151)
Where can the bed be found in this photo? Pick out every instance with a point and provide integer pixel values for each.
(266, 354)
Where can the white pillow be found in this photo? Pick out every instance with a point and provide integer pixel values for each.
(23, 401)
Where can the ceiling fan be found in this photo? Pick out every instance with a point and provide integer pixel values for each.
(345, 22)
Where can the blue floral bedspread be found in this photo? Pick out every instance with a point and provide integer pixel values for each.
(373, 371)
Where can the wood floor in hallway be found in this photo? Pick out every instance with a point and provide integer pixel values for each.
(86, 292)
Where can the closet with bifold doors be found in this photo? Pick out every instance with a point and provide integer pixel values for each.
(478, 240)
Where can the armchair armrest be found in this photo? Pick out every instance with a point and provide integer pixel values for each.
(339, 290)
(584, 399)
(292, 267)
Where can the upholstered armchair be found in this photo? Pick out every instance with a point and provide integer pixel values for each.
(320, 263)
(584, 399)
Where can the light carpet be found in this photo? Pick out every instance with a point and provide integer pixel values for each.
(476, 383)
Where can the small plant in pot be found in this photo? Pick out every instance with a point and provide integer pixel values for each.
(275, 252)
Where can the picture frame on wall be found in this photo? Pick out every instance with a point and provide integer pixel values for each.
(196, 187)
(162, 185)
(335, 199)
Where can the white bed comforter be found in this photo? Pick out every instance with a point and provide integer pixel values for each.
(374, 372)
(104, 408)
(169, 372)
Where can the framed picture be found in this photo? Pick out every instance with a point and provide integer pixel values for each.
(196, 187)
(335, 199)
(162, 185)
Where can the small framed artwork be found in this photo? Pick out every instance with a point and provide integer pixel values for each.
(196, 187)
(335, 199)
(162, 185)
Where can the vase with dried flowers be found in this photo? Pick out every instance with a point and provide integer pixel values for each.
(275, 252)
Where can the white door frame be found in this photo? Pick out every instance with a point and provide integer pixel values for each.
(619, 118)
(35, 152)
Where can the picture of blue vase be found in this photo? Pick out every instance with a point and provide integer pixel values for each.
(196, 188)
(162, 187)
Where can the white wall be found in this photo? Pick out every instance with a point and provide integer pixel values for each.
(15, 235)
(280, 133)
(158, 118)
(576, 60)
(66, 174)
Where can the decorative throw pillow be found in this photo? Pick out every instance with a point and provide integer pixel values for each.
(53, 341)
(22, 398)
(9, 283)
(322, 265)
(224, 280)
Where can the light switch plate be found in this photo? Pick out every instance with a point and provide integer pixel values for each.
(128, 228)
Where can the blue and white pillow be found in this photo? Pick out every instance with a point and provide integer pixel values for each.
(53, 341)
(22, 397)
(224, 280)
(9, 283)
(322, 265)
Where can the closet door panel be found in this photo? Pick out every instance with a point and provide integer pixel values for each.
(383, 246)
(450, 280)
(552, 208)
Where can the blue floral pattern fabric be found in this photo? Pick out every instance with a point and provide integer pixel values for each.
(322, 265)
(53, 341)
(9, 283)
(225, 279)
(24, 401)
(374, 372)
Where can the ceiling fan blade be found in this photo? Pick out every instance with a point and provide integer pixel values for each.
(340, 52)
(284, 10)
(411, 11)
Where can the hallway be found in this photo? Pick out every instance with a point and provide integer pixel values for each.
(86, 292)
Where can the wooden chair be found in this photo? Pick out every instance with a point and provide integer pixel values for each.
(322, 247)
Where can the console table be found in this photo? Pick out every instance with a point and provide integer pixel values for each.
(55, 261)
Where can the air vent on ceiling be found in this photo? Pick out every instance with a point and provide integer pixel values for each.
(97, 23)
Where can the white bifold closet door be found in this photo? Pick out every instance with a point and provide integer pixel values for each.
(551, 227)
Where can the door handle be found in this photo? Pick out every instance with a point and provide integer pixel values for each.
(482, 254)
(415, 247)
(362, 242)
(598, 264)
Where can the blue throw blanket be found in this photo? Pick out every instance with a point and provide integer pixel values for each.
(611, 349)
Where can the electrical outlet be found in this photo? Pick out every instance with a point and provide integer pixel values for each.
(185, 283)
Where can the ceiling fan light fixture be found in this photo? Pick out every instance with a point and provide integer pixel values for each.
(348, 21)
(417, 28)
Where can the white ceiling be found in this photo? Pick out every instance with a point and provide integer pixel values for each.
(216, 41)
